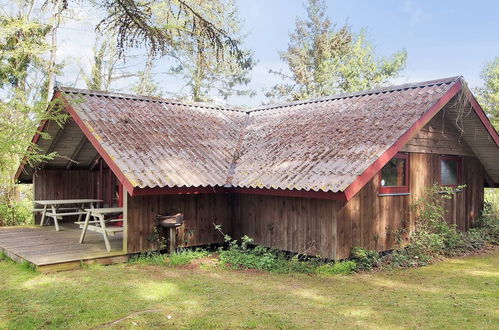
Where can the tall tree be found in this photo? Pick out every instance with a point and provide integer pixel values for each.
(488, 95)
(206, 70)
(23, 72)
(324, 60)
(146, 84)
(106, 67)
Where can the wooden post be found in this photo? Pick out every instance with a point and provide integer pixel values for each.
(173, 239)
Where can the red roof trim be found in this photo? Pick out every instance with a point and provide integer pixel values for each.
(109, 161)
(253, 191)
(292, 193)
(375, 167)
(177, 191)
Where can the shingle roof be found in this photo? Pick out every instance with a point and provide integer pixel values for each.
(319, 145)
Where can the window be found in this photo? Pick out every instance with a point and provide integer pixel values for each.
(450, 171)
(394, 178)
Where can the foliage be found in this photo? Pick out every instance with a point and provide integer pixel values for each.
(337, 268)
(148, 258)
(434, 237)
(185, 257)
(487, 225)
(14, 212)
(198, 65)
(488, 95)
(241, 255)
(134, 25)
(179, 258)
(365, 259)
(24, 68)
(324, 60)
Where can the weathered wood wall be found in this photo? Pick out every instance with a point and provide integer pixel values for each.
(200, 213)
(439, 136)
(302, 225)
(63, 184)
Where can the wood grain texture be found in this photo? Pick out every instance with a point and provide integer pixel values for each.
(200, 213)
(300, 225)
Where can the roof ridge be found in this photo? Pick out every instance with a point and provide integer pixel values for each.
(147, 98)
(379, 90)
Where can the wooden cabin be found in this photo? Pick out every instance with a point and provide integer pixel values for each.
(315, 176)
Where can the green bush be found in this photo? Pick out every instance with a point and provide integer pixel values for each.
(487, 225)
(365, 259)
(337, 268)
(16, 213)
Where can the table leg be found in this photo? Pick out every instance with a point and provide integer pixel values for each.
(43, 214)
(56, 222)
(85, 226)
(104, 232)
(81, 209)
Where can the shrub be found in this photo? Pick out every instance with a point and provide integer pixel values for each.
(16, 213)
(487, 225)
(337, 268)
(365, 259)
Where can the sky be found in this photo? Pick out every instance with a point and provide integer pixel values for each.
(443, 38)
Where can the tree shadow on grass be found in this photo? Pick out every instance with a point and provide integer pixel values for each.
(226, 299)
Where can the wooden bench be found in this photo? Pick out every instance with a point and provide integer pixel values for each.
(69, 207)
(99, 226)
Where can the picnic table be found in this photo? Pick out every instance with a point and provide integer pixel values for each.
(99, 225)
(57, 211)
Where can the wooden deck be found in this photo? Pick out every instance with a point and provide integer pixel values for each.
(50, 251)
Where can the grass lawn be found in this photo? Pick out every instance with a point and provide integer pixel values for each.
(459, 293)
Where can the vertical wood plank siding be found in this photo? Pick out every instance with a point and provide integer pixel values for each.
(63, 184)
(301, 225)
(200, 213)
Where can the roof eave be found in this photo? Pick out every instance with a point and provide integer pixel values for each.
(375, 167)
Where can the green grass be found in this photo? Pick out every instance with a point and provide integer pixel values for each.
(458, 293)
(180, 258)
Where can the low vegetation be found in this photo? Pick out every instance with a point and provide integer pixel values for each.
(432, 238)
(455, 293)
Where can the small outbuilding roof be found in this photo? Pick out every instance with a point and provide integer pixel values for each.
(332, 144)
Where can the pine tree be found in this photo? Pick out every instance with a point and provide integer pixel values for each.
(206, 70)
(325, 60)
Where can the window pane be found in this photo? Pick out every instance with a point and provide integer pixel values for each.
(448, 172)
(393, 173)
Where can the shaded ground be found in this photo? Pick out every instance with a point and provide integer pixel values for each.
(458, 293)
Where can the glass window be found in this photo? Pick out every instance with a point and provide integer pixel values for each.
(449, 171)
(394, 174)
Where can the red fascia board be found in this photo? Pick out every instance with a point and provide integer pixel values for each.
(177, 191)
(375, 167)
(254, 191)
(291, 193)
(484, 119)
(96, 144)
